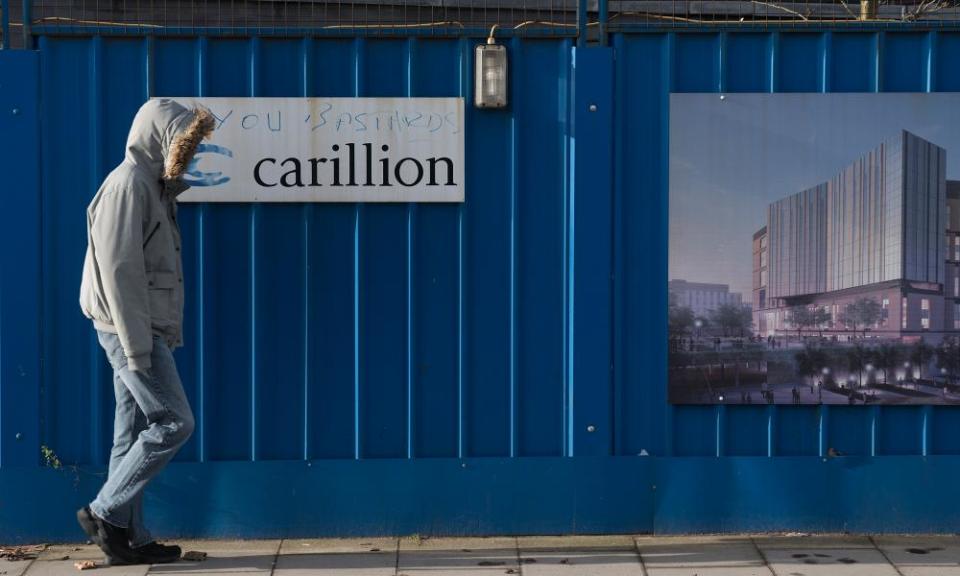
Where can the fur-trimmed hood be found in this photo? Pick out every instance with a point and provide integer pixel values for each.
(164, 137)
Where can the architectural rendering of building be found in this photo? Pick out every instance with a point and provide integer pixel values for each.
(703, 298)
(885, 231)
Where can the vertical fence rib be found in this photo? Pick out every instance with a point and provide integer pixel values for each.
(603, 19)
(581, 23)
(5, 25)
(27, 17)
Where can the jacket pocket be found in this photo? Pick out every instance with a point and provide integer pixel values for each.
(160, 286)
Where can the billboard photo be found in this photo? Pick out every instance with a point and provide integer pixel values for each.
(814, 249)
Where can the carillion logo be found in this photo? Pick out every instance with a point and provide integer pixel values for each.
(354, 165)
(197, 177)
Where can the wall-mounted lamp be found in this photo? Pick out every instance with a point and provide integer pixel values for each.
(490, 74)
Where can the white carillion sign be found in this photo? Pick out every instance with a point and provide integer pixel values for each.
(330, 150)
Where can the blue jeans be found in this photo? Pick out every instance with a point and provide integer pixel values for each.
(153, 420)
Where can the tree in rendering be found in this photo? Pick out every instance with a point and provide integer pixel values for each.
(801, 317)
(948, 357)
(856, 360)
(680, 318)
(886, 358)
(822, 318)
(863, 312)
(920, 354)
(810, 362)
(731, 319)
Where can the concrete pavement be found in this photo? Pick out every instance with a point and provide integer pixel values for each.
(757, 555)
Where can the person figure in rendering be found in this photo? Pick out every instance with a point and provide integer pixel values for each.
(132, 290)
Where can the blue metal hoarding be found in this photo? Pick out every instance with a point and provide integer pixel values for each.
(495, 367)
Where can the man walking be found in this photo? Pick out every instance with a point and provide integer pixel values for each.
(132, 290)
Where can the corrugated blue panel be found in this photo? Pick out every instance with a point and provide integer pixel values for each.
(748, 62)
(799, 63)
(279, 353)
(845, 494)
(539, 103)
(174, 67)
(383, 352)
(20, 264)
(333, 68)
(343, 498)
(696, 63)
(227, 240)
(746, 430)
(797, 431)
(943, 437)
(487, 262)
(946, 53)
(852, 61)
(67, 140)
(590, 390)
(227, 406)
(850, 430)
(435, 278)
(338, 331)
(383, 257)
(904, 62)
(330, 333)
(643, 76)
(330, 416)
(899, 430)
(695, 431)
(279, 280)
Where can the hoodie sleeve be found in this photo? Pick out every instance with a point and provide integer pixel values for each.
(117, 233)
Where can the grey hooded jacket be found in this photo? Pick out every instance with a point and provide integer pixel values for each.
(132, 274)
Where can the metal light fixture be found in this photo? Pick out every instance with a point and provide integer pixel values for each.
(490, 80)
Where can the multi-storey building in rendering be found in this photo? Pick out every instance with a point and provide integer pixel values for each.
(885, 229)
(703, 298)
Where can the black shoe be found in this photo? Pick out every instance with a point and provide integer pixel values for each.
(89, 524)
(156, 553)
(111, 539)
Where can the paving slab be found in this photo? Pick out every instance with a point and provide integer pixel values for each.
(716, 571)
(14, 567)
(18, 567)
(921, 550)
(338, 564)
(496, 543)
(59, 560)
(701, 552)
(338, 545)
(224, 558)
(581, 562)
(772, 541)
(575, 542)
(930, 570)
(829, 562)
(67, 568)
(476, 557)
(692, 540)
(74, 551)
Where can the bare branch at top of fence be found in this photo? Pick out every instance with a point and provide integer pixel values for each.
(778, 7)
